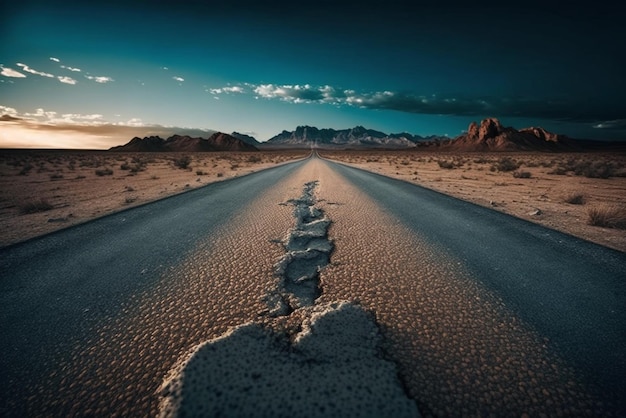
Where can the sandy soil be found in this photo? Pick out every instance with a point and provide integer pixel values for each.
(63, 188)
(540, 198)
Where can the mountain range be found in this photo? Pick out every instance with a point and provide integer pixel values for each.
(346, 138)
(488, 136)
(217, 142)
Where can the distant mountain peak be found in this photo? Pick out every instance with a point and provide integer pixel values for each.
(356, 137)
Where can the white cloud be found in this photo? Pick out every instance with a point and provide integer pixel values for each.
(55, 59)
(9, 72)
(99, 79)
(71, 68)
(226, 90)
(67, 80)
(134, 122)
(180, 79)
(30, 70)
(41, 113)
(4, 110)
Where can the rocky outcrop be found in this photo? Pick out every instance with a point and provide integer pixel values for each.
(490, 135)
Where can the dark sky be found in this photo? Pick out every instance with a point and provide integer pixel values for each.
(261, 67)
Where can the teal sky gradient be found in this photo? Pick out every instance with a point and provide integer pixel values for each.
(261, 68)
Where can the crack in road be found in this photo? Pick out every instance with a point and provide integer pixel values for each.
(308, 251)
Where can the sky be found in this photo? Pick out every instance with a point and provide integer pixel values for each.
(94, 74)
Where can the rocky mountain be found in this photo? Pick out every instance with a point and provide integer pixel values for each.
(305, 136)
(490, 135)
(183, 143)
(246, 138)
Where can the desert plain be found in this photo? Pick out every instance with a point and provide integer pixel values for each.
(582, 194)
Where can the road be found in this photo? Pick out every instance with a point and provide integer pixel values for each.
(482, 312)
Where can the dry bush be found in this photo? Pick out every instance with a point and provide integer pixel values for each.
(449, 165)
(505, 164)
(34, 206)
(575, 198)
(104, 172)
(182, 162)
(519, 174)
(608, 216)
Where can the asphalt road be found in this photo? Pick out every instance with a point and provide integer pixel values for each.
(56, 289)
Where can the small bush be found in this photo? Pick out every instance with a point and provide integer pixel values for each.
(200, 173)
(182, 162)
(56, 176)
(220, 174)
(446, 164)
(607, 216)
(39, 205)
(505, 164)
(254, 159)
(522, 174)
(575, 199)
(24, 171)
(104, 172)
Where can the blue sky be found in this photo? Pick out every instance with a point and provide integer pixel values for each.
(106, 70)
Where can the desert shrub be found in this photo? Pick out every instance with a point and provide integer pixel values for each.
(519, 174)
(575, 198)
(234, 166)
(182, 162)
(34, 206)
(600, 169)
(559, 171)
(449, 165)
(25, 170)
(56, 176)
(130, 199)
(254, 159)
(200, 173)
(608, 216)
(481, 160)
(505, 164)
(125, 166)
(220, 174)
(104, 172)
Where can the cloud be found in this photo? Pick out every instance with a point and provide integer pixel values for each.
(71, 68)
(67, 80)
(226, 90)
(5, 110)
(27, 69)
(617, 124)
(48, 129)
(99, 79)
(9, 72)
(55, 59)
(179, 79)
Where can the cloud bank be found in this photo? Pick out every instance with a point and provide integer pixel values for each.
(519, 107)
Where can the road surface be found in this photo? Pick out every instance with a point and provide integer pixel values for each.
(481, 312)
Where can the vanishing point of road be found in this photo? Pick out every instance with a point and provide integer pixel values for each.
(482, 313)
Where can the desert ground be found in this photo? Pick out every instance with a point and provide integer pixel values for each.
(44, 191)
(581, 194)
